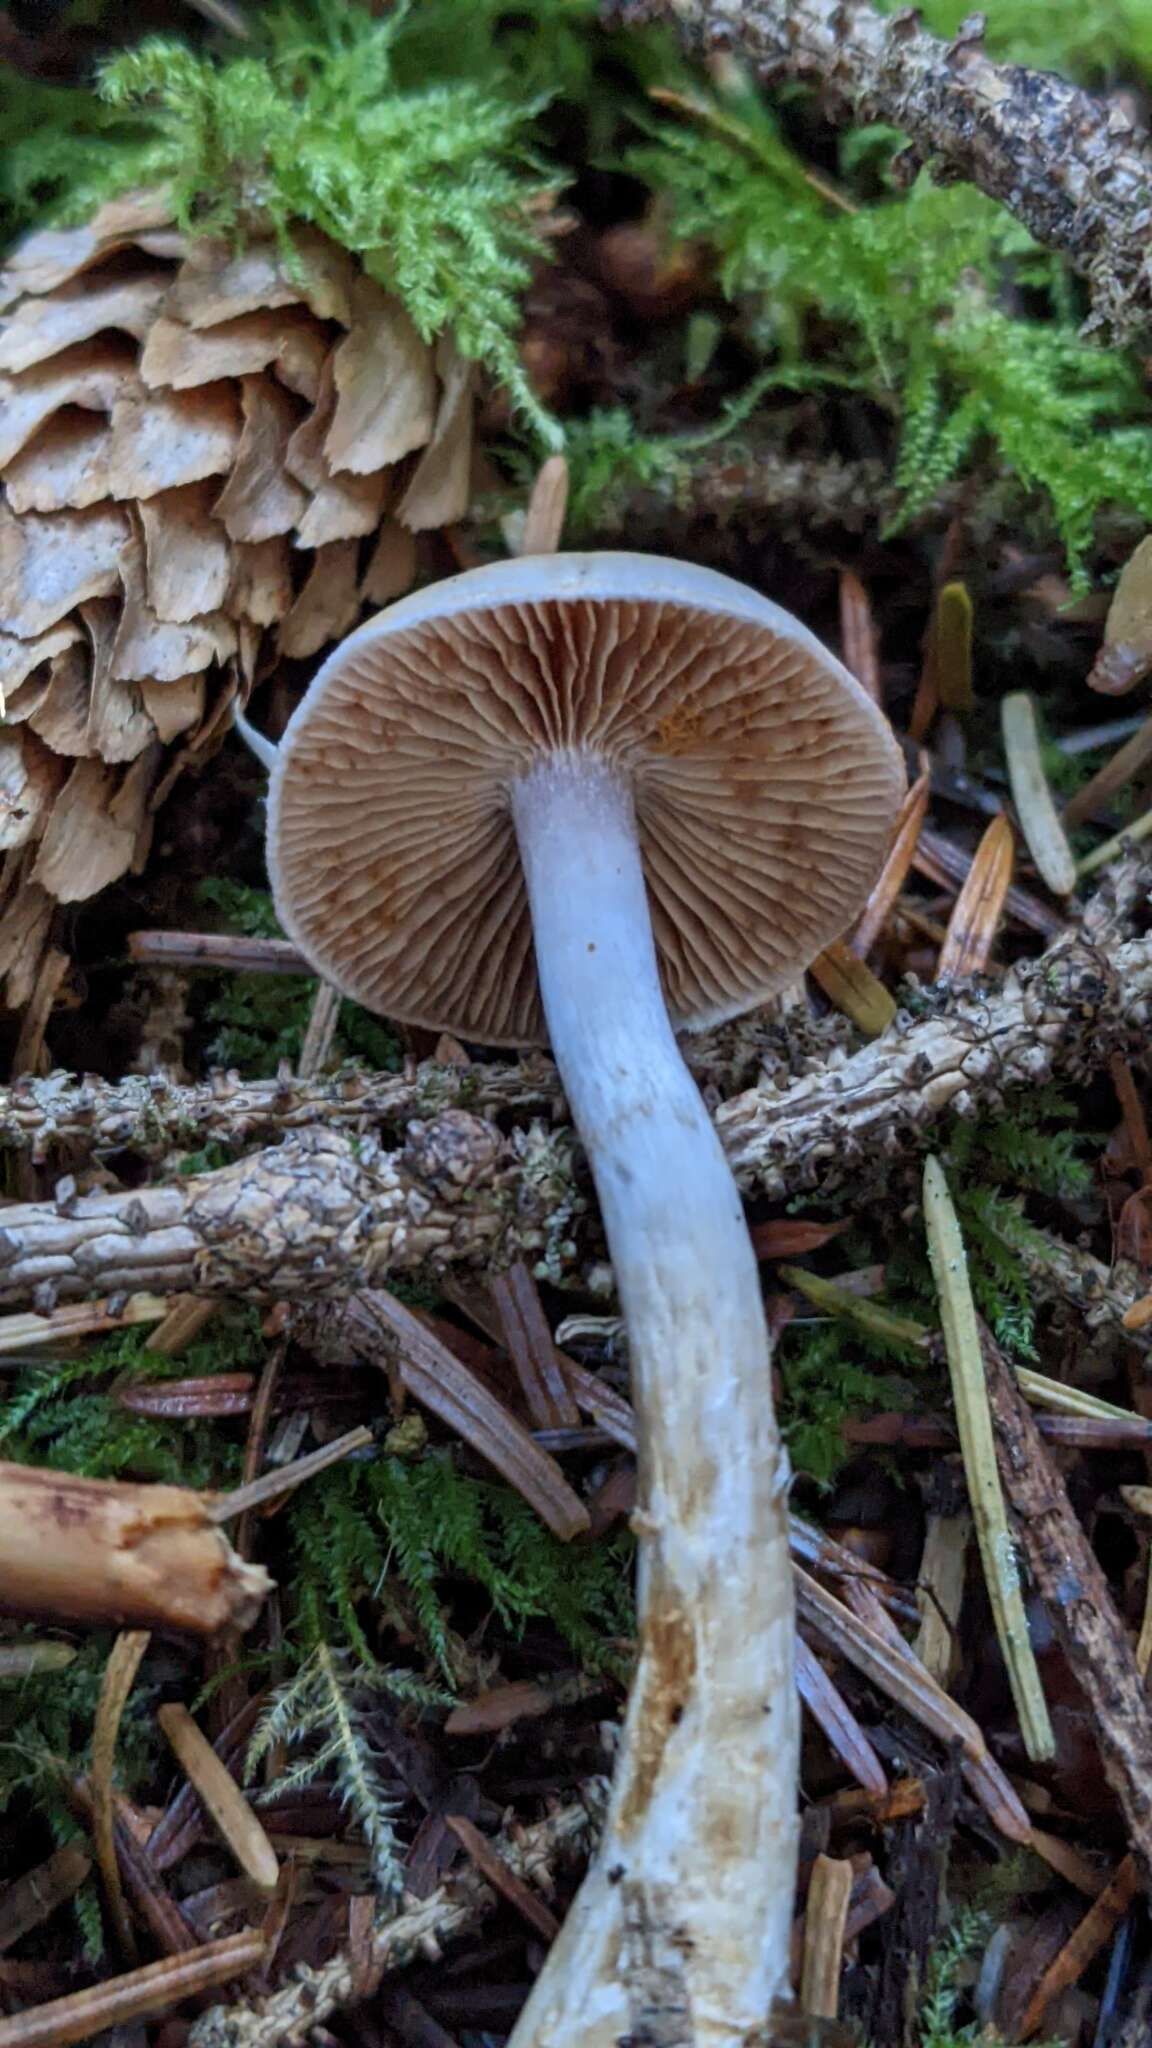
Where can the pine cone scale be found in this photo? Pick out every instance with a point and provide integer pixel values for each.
(214, 458)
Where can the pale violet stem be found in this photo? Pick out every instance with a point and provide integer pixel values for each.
(264, 749)
(696, 1872)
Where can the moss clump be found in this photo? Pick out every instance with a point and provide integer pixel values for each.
(430, 184)
(259, 1020)
(904, 298)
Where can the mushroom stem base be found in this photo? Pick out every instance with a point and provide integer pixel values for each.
(680, 1933)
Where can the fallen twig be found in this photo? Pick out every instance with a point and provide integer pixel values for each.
(223, 1801)
(239, 955)
(320, 1214)
(1061, 1014)
(151, 1114)
(142, 1994)
(1079, 1602)
(119, 1677)
(1088, 1937)
(97, 1550)
(325, 1214)
(828, 1898)
(29, 1899)
(306, 2002)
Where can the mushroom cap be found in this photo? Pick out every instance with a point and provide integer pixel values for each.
(765, 784)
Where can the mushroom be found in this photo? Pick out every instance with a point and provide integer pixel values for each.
(585, 799)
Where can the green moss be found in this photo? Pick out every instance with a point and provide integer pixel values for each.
(423, 1524)
(429, 183)
(64, 1416)
(260, 1019)
(45, 1742)
(827, 1379)
(903, 298)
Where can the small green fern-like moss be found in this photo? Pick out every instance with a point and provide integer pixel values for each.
(61, 1416)
(827, 1377)
(429, 185)
(938, 2028)
(261, 1019)
(62, 147)
(905, 290)
(46, 1722)
(323, 1709)
(425, 1524)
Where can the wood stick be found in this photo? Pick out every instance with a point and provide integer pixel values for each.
(828, 1897)
(528, 1341)
(1085, 1942)
(1078, 1599)
(216, 950)
(142, 1994)
(29, 1899)
(322, 1215)
(291, 2011)
(99, 1551)
(286, 1478)
(1085, 998)
(940, 1592)
(119, 1678)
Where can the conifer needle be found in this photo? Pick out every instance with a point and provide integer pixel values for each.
(1039, 821)
(977, 1444)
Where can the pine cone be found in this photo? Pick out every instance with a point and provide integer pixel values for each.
(212, 458)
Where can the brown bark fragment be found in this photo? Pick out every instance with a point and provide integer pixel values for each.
(261, 586)
(41, 328)
(21, 659)
(343, 506)
(328, 605)
(29, 779)
(187, 558)
(94, 828)
(62, 468)
(1078, 1598)
(391, 566)
(92, 375)
(442, 482)
(217, 282)
(100, 1552)
(147, 646)
(161, 439)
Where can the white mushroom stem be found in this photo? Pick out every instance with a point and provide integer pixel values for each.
(681, 1929)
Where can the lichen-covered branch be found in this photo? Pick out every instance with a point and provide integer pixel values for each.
(1066, 163)
(1098, 1295)
(319, 1214)
(290, 2013)
(1062, 1014)
(150, 1114)
(325, 1213)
